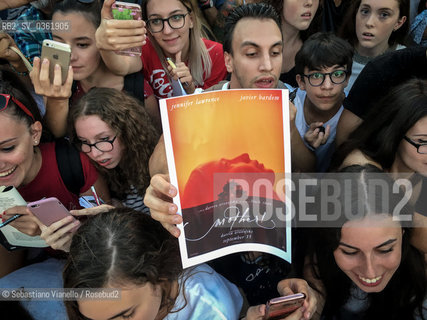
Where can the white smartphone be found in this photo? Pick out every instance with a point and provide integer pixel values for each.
(57, 53)
(127, 11)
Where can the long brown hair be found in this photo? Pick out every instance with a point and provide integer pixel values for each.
(134, 129)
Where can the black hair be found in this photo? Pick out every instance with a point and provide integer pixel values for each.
(405, 292)
(322, 50)
(348, 27)
(260, 11)
(122, 247)
(380, 134)
(11, 84)
(91, 11)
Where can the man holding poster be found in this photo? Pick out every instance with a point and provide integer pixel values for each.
(253, 56)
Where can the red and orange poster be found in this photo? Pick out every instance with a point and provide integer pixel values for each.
(228, 152)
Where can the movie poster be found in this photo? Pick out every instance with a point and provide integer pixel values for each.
(228, 153)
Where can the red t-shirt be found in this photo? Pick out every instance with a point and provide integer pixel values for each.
(48, 182)
(158, 77)
(79, 92)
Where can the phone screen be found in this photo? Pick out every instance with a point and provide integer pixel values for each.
(127, 11)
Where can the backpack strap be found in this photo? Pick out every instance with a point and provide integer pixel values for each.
(69, 165)
(134, 85)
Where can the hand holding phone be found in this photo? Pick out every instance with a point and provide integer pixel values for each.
(49, 211)
(57, 53)
(127, 11)
(281, 307)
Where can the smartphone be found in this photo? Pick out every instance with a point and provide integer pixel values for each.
(49, 211)
(281, 307)
(127, 11)
(321, 129)
(57, 53)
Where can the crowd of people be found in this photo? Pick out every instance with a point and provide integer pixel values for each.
(356, 72)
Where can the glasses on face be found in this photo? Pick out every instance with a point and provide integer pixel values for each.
(421, 147)
(4, 102)
(176, 21)
(103, 146)
(316, 79)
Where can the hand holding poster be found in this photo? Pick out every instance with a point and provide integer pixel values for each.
(228, 152)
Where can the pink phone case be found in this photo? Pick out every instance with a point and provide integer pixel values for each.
(281, 307)
(127, 11)
(49, 211)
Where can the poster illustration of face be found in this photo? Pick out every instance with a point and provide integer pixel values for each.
(227, 153)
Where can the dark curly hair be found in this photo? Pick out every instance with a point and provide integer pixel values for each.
(122, 247)
(130, 121)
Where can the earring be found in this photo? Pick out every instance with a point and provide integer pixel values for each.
(36, 142)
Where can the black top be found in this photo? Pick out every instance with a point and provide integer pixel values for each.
(289, 77)
(382, 73)
(332, 16)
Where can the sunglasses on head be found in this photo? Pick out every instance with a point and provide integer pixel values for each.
(4, 102)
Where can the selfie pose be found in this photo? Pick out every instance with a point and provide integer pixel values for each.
(87, 69)
(174, 32)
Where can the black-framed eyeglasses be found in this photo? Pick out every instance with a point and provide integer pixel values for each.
(176, 21)
(4, 102)
(316, 79)
(103, 146)
(421, 147)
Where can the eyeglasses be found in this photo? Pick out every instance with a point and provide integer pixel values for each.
(421, 147)
(176, 21)
(316, 79)
(4, 102)
(103, 146)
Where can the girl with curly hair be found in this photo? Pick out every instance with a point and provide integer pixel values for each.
(116, 133)
(133, 253)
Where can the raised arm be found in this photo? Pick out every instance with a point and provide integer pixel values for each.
(113, 35)
(57, 94)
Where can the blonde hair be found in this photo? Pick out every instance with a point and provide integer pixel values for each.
(199, 60)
